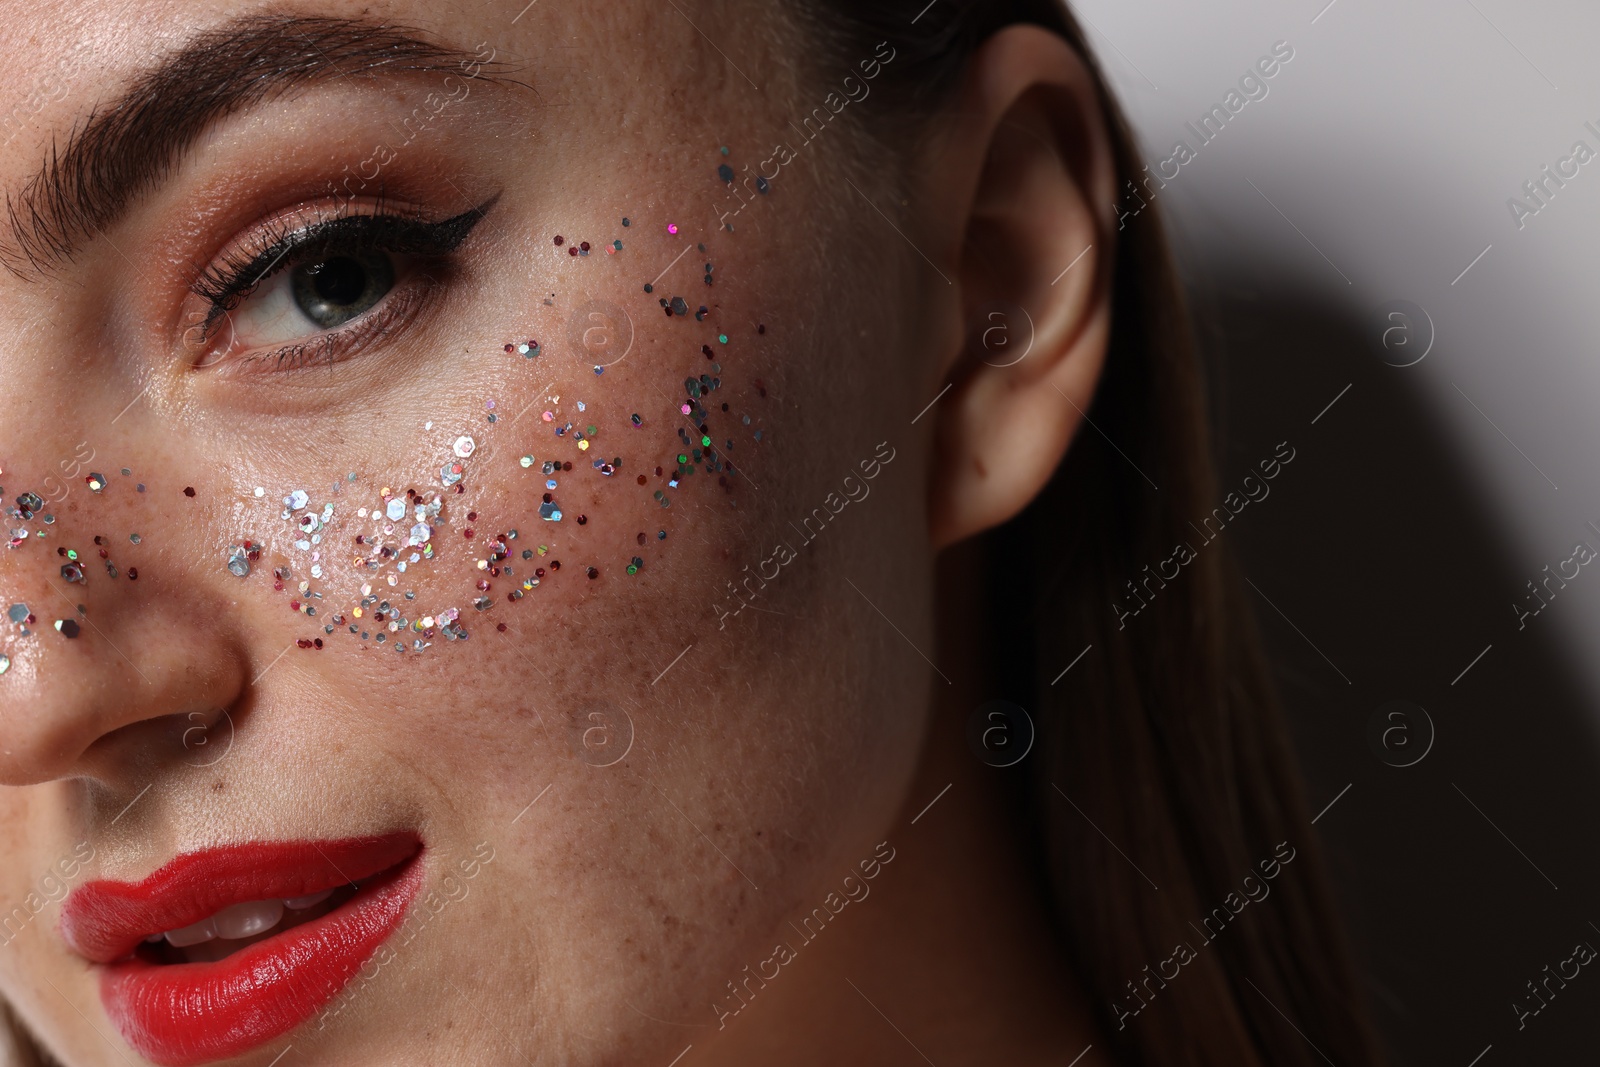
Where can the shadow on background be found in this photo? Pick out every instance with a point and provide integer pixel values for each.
(1469, 872)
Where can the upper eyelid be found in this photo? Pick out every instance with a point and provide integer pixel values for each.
(401, 233)
(438, 238)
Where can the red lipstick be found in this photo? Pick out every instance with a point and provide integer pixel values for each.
(179, 1014)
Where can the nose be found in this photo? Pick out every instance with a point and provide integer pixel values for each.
(117, 636)
(105, 672)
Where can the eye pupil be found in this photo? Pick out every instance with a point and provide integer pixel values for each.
(338, 281)
(333, 291)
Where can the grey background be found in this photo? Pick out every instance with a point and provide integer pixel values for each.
(1387, 559)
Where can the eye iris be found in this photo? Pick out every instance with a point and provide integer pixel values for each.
(333, 291)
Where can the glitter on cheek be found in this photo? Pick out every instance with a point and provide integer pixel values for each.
(393, 531)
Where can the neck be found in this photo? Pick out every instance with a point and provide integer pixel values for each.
(951, 958)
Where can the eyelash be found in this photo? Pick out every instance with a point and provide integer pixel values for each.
(287, 244)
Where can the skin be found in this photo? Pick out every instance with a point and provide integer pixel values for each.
(755, 771)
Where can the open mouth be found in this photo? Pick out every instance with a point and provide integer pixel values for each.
(221, 951)
(239, 926)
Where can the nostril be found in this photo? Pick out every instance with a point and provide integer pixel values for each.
(195, 738)
(181, 735)
(207, 736)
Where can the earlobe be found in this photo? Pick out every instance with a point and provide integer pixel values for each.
(1030, 213)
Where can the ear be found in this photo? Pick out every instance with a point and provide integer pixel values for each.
(1023, 200)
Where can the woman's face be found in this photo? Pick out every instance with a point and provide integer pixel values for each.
(573, 659)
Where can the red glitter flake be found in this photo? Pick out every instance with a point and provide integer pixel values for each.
(641, 479)
(133, 574)
(467, 534)
(560, 241)
(594, 572)
(583, 520)
(501, 627)
(472, 516)
(188, 491)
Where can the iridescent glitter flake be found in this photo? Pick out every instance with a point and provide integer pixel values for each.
(464, 447)
(238, 561)
(67, 628)
(5, 664)
(96, 482)
(18, 613)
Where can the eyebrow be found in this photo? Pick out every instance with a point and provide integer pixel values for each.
(123, 149)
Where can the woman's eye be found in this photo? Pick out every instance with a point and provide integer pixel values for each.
(312, 297)
(289, 297)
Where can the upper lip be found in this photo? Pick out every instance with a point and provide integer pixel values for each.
(104, 921)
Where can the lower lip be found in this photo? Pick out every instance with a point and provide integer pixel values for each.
(183, 1014)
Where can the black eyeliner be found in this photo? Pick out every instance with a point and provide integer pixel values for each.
(397, 234)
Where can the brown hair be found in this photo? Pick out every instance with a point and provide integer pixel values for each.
(1167, 734)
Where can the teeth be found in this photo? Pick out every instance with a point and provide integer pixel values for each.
(198, 934)
(302, 903)
(237, 922)
(248, 920)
